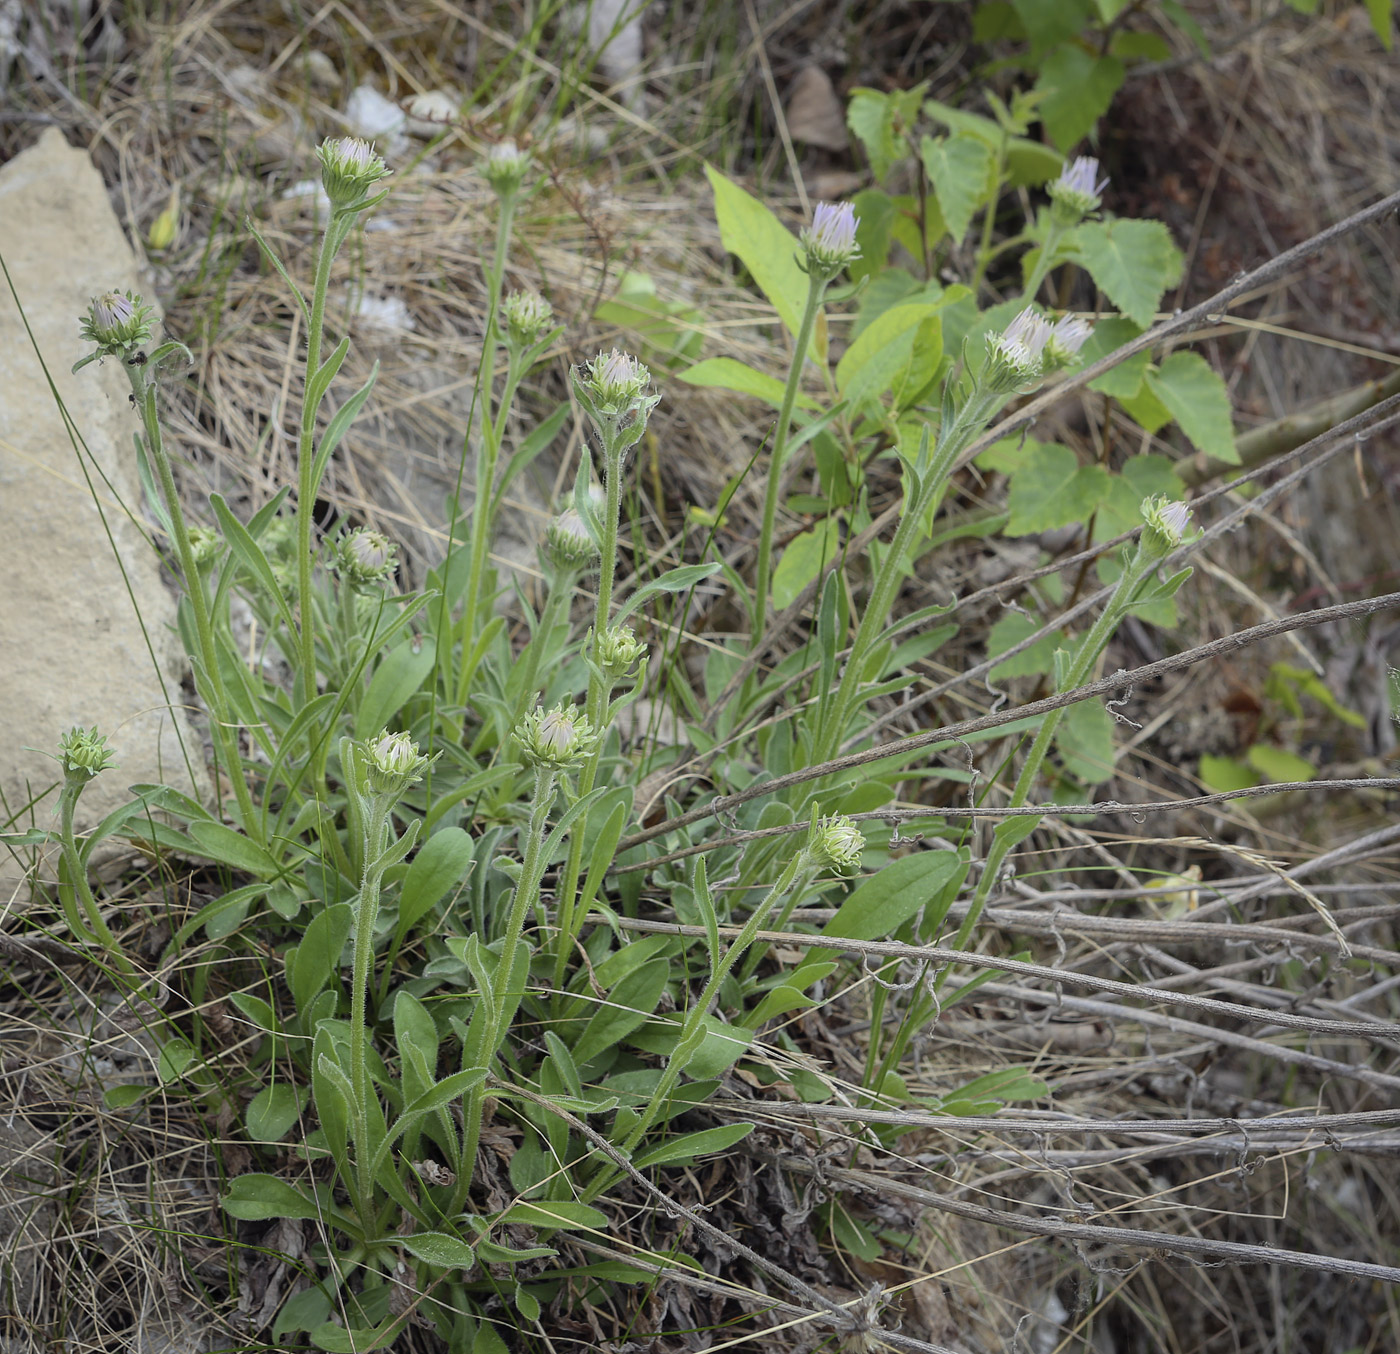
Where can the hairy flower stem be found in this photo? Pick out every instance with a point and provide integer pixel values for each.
(505, 996)
(88, 924)
(493, 419)
(933, 480)
(215, 694)
(596, 708)
(376, 825)
(336, 229)
(816, 289)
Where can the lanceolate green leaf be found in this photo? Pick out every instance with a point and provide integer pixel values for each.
(764, 245)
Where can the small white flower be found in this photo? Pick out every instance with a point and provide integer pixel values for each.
(527, 316)
(616, 380)
(1068, 335)
(349, 169)
(1166, 522)
(393, 763)
(567, 542)
(1015, 355)
(505, 166)
(556, 739)
(837, 845)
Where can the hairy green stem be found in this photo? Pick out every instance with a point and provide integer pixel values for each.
(376, 812)
(504, 997)
(88, 924)
(816, 289)
(306, 459)
(215, 694)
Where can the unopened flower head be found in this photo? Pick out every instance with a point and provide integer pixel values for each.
(1078, 191)
(1166, 524)
(616, 381)
(83, 753)
(393, 763)
(619, 651)
(505, 167)
(567, 542)
(1067, 336)
(118, 323)
(204, 546)
(527, 317)
(1015, 356)
(366, 556)
(557, 739)
(830, 241)
(349, 169)
(837, 845)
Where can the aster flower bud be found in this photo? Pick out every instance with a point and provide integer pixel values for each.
(204, 546)
(393, 763)
(366, 557)
(1014, 356)
(1166, 523)
(527, 317)
(616, 380)
(1077, 192)
(619, 651)
(830, 241)
(557, 739)
(505, 167)
(1067, 336)
(117, 323)
(567, 542)
(83, 754)
(836, 845)
(349, 169)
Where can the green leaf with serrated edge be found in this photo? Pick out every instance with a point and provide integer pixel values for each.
(1134, 262)
(1009, 631)
(564, 1214)
(1120, 509)
(724, 373)
(255, 1198)
(1219, 774)
(438, 1248)
(630, 1004)
(765, 247)
(1050, 21)
(272, 1112)
(317, 958)
(1050, 489)
(1146, 410)
(1111, 333)
(688, 1146)
(1197, 399)
(1084, 738)
(802, 560)
(1076, 89)
(868, 115)
(960, 169)
(1278, 764)
(397, 678)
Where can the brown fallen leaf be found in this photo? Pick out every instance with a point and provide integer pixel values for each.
(813, 111)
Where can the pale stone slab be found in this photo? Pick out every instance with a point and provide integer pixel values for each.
(72, 649)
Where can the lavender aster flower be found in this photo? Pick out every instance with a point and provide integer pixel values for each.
(1068, 335)
(556, 739)
(117, 323)
(1166, 523)
(830, 241)
(1077, 191)
(1015, 355)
